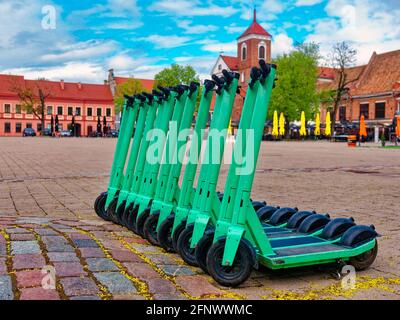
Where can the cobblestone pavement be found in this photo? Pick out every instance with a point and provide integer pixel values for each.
(47, 224)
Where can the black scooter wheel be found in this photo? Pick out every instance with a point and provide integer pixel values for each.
(257, 205)
(265, 213)
(120, 212)
(365, 260)
(140, 222)
(101, 211)
(131, 219)
(111, 210)
(164, 234)
(150, 228)
(183, 246)
(177, 233)
(96, 203)
(229, 276)
(125, 215)
(202, 249)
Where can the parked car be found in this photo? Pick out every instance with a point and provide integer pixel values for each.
(113, 134)
(29, 132)
(95, 134)
(47, 132)
(66, 133)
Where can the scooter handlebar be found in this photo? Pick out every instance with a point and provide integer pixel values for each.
(166, 91)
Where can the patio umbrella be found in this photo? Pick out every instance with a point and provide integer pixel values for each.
(282, 125)
(317, 130)
(275, 128)
(303, 130)
(104, 125)
(328, 130)
(52, 124)
(57, 122)
(98, 125)
(398, 127)
(363, 128)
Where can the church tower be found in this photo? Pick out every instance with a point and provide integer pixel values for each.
(254, 44)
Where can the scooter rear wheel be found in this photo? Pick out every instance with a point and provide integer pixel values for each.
(365, 260)
(111, 210)
(229, 276)
(120, 212)
(150, 228)
(177, 233)
(140, 222)
(164, 234)
(131, 219)
(101, 211)
(202, 249)
(183, 246)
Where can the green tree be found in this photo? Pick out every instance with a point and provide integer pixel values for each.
(296, 85)
(175, 75)
(130, 87)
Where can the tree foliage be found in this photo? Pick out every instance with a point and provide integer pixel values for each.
(175, 75)
(296, 85)
(130, 88)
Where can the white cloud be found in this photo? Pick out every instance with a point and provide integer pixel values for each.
(190, 8)
(217, 47)
(281, 44)
(300, 3)
(195, 29)
(165, 42)
(233, 28)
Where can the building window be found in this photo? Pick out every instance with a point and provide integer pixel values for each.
(220, 67)
(39, 127)
(7, 108)
(18, 127)
(78, 111)
(261, 52)
(49, 110)
(243, 77)
(244, 51)
(108, 112)
(60, 110)
(29, 125)
(342, 114)
(29, 111)
(380, 110)
(18, 109)
(99, 112)
(364, 110)
(90, 112)
(7, 127)
(70, 111)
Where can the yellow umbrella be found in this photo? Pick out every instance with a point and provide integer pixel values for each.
(328, 130)
(282, 125)
(275, 128)
(398, 127)
(317, 131)
(230, 128)
(303, 130)
(363, 128)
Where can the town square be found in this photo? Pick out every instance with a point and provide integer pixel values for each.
(232, 152)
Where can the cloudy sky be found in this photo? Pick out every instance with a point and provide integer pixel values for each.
(140, 37)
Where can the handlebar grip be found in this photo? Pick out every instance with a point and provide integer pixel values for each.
(209, 86)
(166, 91)
(141, 97)
(218, 81)
(149, 96)
(193, 88)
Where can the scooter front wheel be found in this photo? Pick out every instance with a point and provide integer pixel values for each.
(131, 219)
(183, 246)
(202, 249)
(100, 207)
(150, 228)
(229, 276)
(111, 210)
(140, 222)
(177, 233)
(164, 234)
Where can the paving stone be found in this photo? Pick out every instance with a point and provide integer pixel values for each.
(101, 264)
(147, 249)
(128, 297)
(79, 286)
(92, 252)
(141, 270)
(159, 285)
(3, 266)
(85, 243)
(135, 240)
(79, 236)
(63, 257)
(69, 269)
(166, 296)
(176, 270)
(6, 288)
(22, 237)
(83, 298)
(197, 286)
(125, 256)
(3, 249)
(161, 259)
(16, 230)
(57, 244)
(24, 247)
(29, 278)
(116, 283)
(46, 232)
(28, 261)
(39, 294)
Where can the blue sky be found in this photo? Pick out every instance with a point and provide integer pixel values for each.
(140, 37)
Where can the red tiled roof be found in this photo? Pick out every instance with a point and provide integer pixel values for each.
(146, 83)
(326, 73)
(231, 62)
(71, 91)
(255, 28)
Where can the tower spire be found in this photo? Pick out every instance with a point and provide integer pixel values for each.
(255, 14)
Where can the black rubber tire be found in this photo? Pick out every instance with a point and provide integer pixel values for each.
(365, 260)
(232, 276)
(295, 220)
(101, 211)
(202, 249)
(131, 219)
(266, 212)
(119, 213)
(336, 228)
(313, 223)
(126, 213)
(164, 234)
(140, 222)
(257, 205)
(282, 215)
(183, 246)
(358, 235)
(150, 228)
(96, 202)
(111, 210)
(177, 233)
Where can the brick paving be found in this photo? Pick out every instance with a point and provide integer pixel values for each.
(47, 189)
